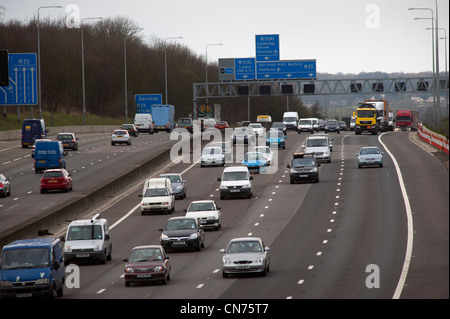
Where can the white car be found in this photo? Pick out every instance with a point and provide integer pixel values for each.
(370, 156)
(207, 213)
(157, 196)
(257, 128)
(120, 136)
(212, 156)
(266, 151)
(319, 146)
(226, 149)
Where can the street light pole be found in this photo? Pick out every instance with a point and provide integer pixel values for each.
(39, 58)
(82, 67)
(165, 63)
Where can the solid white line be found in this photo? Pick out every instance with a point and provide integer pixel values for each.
(125, 216)
(409, 243)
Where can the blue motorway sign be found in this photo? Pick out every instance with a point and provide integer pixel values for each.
(296, 69)
(245, 69)
(267, 47)
(144, 102)
(22, 89)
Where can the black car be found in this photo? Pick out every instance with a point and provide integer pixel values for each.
(68, 140)
(279, 126)
(332, 126)
(303, 167)
(182, 232)
(187, 123)
(131, 128)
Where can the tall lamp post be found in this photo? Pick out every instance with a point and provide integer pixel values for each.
(165, 63)
(207, 89)
(39, 57)
(82, 66)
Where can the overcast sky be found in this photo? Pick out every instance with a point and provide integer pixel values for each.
(347, 36)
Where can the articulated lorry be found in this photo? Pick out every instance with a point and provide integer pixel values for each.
(382, 107)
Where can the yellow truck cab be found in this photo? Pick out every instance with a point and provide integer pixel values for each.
(366, 119)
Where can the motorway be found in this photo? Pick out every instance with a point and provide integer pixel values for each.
(325, 239)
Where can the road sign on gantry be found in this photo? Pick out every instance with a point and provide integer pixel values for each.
(296, 69)
(267, 47)
(22, 89)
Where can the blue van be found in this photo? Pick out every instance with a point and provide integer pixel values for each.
(32, 268)
(49, 154)
(33, 129)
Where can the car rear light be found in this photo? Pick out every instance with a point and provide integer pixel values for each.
(1, 184)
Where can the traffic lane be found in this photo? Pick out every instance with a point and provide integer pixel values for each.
(133, 231)
(427, 183)
(325, 248)
(88, 167)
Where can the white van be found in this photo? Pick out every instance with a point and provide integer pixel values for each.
(236, 181)
(144, 122)
(305, 125)
(157, 196)
(87, 239)
(315, 123)
(319, 146)
(290, 119)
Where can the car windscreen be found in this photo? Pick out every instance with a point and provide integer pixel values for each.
(244, 247)
(289, 119)
(85, 232)
(172, 178)
(240, 132)
(275, 134)
(197, 207)
(211, 151)
(366, 113)
(146, 254)
(253, 157)
(180, 224)
(64, 137)
(185, 121)
(25, 258)
(278, 124)
(316, 142)
(120, 132)
(303, 162)
(304, 122)
(155, 192)
(365, 151)
(235, 176)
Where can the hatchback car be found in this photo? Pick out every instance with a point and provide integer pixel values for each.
(243, 134)
(212, 156)
(5, 186)
(303, 167)
(279, 126)
(68, 140)
(120, 136)
(186, 123)
(221, 125)
(245, 255)
(342, 125)
(56, 179)
(255, 161)
(207, 213)
(182, 232)
(131, 128)
(178, 184)
(258, 129)
(332, 126)
(370, 156)
(266, 152)
(226, 149)
(147, 263)
(276, 138)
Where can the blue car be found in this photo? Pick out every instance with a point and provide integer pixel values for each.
(255, 162)
(178, 184)
(276, 138)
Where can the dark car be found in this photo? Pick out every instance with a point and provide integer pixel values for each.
(303, 167)
(147, 263)
(178, 184)
(68, 140)
(279, 126)
(182, 232)
(187, 123)
(342, 125)
(332, 126)
(5, 186)
(131, 128)
(58, 179)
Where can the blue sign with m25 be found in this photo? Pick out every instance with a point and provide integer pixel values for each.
(22, 89)
(144, 102)
(296, 69)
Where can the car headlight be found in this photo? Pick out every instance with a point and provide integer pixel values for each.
(179, 188)
(193, 236)
(129, 270)
(226, 261)
(41, 281)
(164, 237)
(159, 268)
(259, 260)
(68, 249)
(5, 283)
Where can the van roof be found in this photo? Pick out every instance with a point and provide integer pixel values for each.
(236, 169)
(157, 182)
(36, 242)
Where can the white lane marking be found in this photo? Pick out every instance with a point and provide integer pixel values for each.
(100, 291)
(124, 216)
(200, 286)
(409, 217)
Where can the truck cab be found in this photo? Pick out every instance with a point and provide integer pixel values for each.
(366, 119)
(32, 268)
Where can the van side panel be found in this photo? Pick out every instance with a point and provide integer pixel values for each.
(49, 155)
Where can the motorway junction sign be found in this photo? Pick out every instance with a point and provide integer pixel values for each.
(22, 89)
(144, 102)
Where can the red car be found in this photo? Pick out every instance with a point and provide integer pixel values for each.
(221, 125)
(58, 179)
(147, 263)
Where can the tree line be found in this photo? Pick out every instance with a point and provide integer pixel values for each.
(104, 42)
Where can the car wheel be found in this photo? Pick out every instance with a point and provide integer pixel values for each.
(127, 284)
(224, 274)
(109, 257)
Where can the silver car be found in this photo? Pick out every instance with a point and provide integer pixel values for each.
(370, 155)
(120, 136)
(212, 156)
(5, 186)
(245, 255)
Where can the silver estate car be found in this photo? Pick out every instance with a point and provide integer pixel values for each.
(245, 255)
